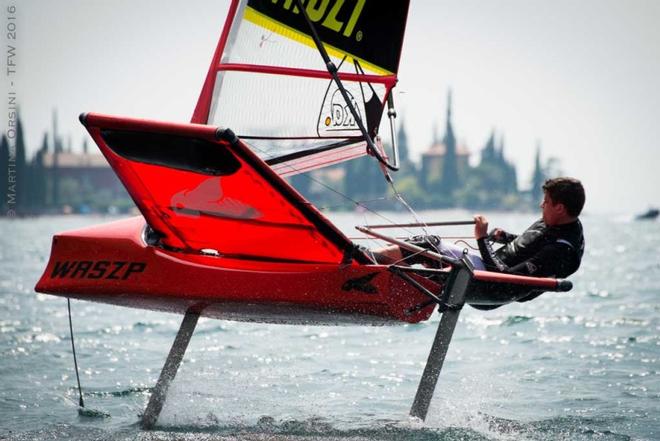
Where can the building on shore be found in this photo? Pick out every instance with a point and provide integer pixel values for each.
(83, 182)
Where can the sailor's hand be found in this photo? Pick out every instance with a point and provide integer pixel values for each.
(496, 234)
(480, 226)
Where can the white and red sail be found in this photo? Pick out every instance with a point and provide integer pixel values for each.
(269, 86)
(268, 83)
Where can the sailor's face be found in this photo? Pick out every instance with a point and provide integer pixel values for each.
(551, 211)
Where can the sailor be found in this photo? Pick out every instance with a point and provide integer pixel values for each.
(551, 247)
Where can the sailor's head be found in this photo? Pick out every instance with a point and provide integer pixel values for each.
(563, 199)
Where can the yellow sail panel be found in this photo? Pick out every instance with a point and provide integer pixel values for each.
(266, 22)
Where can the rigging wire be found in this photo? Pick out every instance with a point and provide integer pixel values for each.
(334, 190)
(362, 201)
(401, 199)
(456, 239)
(81, 403)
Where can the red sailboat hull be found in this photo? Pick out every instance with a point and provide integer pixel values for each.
(113, 264)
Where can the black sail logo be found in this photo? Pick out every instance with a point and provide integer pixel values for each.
(328, 14)
(342, 118)
(368, 30)
(336, 116)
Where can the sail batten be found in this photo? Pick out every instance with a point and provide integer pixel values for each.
(389, 80)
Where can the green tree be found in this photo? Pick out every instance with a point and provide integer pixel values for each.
(493, 183)
(552, 168)
(409, 187)
(488, 153)
(57, 149)
(450, 180)
(23, 189)
(363, 180)
(538, 178)
(406, 165)
(510, 184)
(39, 182)
(71, 192)
(303, 183)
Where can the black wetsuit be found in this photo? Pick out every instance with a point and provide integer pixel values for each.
(541, 251)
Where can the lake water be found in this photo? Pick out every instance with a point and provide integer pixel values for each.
(583, 365)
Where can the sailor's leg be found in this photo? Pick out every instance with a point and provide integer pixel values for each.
(170, 369)
(393, 254)
(387, 255)
(455, 300)
(456, 251)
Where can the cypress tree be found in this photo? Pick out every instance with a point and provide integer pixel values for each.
(510, 185)
(538, 177)
(488, 153)
(378, 186)
(39, 175)
(512, 178)
(23, 189)
(450, 178)
(301, 182)
(407, 167)
(351, 177)
(402, 144)
(57, 149)
(363, 179)
(364, 184)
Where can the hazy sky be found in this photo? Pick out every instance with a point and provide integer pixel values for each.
(582, 77)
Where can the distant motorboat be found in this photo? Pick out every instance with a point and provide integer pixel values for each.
(650, 214)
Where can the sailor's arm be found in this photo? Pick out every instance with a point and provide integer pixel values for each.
(545, 263)
(491, 261)
(498, 235)
(548, 262)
